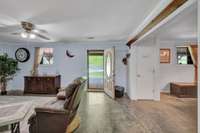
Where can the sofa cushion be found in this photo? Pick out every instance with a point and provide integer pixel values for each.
(70, 89)
(61, 95)
(54, 104)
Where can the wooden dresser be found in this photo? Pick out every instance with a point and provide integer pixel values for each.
(42, 84)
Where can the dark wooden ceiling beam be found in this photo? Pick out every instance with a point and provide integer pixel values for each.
(173, 6)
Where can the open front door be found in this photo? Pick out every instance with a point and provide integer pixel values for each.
(109, 72)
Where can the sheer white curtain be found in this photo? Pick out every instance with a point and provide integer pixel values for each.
(37, 59)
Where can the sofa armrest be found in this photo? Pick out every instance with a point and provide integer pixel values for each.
(32, 119)
(51, 110)
(32, 124)
(51, 120)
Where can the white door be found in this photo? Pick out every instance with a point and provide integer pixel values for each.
(145, 72)
(109, 72)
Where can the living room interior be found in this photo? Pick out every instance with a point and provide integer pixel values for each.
(99, 66)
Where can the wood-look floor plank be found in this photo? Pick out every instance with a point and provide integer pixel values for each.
(100, 114)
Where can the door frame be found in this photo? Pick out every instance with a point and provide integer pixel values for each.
(101, 52)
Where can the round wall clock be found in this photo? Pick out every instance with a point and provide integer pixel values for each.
(22, 54)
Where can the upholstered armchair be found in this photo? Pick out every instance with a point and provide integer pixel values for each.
(56, 119)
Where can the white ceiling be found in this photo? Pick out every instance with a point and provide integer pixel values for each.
(182, 27)
(76, 20)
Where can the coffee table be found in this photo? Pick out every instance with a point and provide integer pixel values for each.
(13, 114)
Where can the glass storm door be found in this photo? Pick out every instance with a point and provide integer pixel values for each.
(109, 72)
(95, 69)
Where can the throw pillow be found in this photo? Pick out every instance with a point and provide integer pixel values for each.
(61, 95)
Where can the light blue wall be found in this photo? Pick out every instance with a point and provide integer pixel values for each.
(69, 68)
(173, 72)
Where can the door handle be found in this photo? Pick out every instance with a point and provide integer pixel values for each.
(138, 75)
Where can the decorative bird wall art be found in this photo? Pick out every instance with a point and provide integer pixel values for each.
(69, 54)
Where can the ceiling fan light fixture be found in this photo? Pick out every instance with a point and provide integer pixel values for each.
(36, 31)
(32, 36)
(24, 35)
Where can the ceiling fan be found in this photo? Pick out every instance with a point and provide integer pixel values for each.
(30, 31)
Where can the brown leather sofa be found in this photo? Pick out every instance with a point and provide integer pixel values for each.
(55, 116)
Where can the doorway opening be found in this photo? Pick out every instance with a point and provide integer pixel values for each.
(95, 66)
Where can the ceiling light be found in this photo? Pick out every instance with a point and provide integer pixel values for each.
(36, 31)
(32, 36)
(24, 35)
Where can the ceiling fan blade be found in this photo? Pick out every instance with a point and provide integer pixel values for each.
(42, 36)
(9, 28)
(2, 25)
(16, 33)
(42, 30)
(36, 30)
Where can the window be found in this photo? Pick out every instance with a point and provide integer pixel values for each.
(108, 65)
(184, 56)
(46, 56)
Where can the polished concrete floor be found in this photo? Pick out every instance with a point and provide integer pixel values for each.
(100, 114)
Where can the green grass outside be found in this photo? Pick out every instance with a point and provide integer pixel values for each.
(96, 74)
(96, 61)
